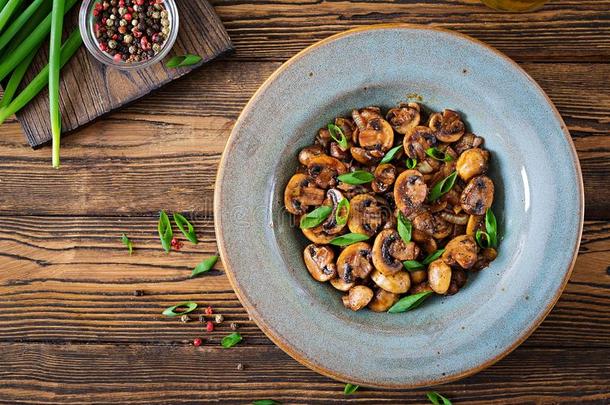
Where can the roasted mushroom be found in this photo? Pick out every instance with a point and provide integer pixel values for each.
(307, 153)
(389, 251)
(301, 193)
(417, 140)
(341, 285)
(368, 214)
(320, 261)
(410, 191)
(383, 300)
(330, 226)
(378, 135)
(448, 126)
(458, 280)
(404, 117)
(432, 225)
(355, 262)
(358, 297)
(397, 283)
(365, 156)
(324, 170)
(385, 175)
(461, 251)
(478, 195)
(472, 162)
(439, 276)
(468, 141)
(474, 224)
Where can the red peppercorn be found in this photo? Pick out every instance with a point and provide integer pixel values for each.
(136, 33)
(140, 2)
(145, 44)
(96, 13)
(98, 6)
(122, 3)
(197, 342)
(208, 311)
(103, 46)
(130, 9)
(118, 57)
(104, 19)
(209, 326)
(127, 17)
(115, 37)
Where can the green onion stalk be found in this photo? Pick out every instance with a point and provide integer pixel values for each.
(7, 11)
(57, 23)
(15, 80)
(19, 22)
(26, 30)
(39, 82)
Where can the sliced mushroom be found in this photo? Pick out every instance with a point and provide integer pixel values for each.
(330, 225)
(365, 156)
(318, 235)
(461, 251)
(341, 285)
(324, 170)
(383, 300)
(486, 256)
(448, 126)
(307, 153)
(468, 141)
(410, 191)
(368, 214)
(301, 193)
(425, 240)
(475, 223)
(478, 195)
(346, 125)
(355, 262)
(378, 135)
(338, 153)
(439, 276)
(323, 138)
(397, 283)
(362, 117)
(358, 297)
(320, 261)
(420, 288)
(458, 280)
(472, 162)
(404, 117)
(430, 224)
(389, 250)
(417, 140)
(385, 175)
(418, 276)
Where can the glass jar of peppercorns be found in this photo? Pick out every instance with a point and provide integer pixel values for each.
(129, 34)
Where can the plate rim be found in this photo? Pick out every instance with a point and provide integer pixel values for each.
(279, 340)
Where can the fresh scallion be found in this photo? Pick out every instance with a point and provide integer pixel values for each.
(337, 134)
(404, 228)
(442, 187)
(315, 217)
(356, 177)
(7, 11)
(183, 60)
(127, 242)
(186, 228)
(57, 23)
(349, 389)
(19, 22)
(437, 154)
(231, 340)
(387, 158)
(165, 231)
(436, 398)
(409, 302)
(205, 266)
(180, 309)
(15, 80)
(342, 211)
(411, 163)
(348, 239)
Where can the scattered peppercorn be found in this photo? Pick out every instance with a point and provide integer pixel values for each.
(219, 318)
(197, 342)
(209, 326)
(131, 30)
(176, 244)
(240, 366)
(208, 311)
(138, 293)
(185, 318)
(233, 326)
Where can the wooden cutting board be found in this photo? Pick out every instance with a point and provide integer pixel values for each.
(90, 89)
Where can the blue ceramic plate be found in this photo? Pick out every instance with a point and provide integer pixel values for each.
(539, 204)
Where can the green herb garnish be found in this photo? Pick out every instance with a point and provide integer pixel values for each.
(409, 302)
(127, 243)
(205, 266)
(165, 231)
(348, 239)
(433, 256)
(350, 389)
(442, 187)
(342, 212)
(404, 228)
(390, 155)
(315, 217)
(482, 239)
(436, 154)
(183, 60)
(231, 340)
(436, 398)
(337, 134)
(491, 227)
(266, 402)
(183, 307)
(356, 177)
(189, 232)
(413, 265)
(411, 163)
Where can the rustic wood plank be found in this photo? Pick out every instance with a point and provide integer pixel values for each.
(44, 374)
(69, 279)
(90, 89)
(563, 30)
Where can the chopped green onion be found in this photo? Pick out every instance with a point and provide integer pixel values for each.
(127, 243)
(350, 389)
(183, 60)
(265, 402)
(442, 187)
(404, 228)
(189, 231)
(413, 265)
(409, 302)
(57, 22)
(436, 398)
(483, 239)
(411, 163)
(342, 212)
(436, 154)
(433, 256)
(337, 134)
(165, 231)
(184, 308)
(204, 266)
(491, 226)
(39, 82)
(315, 217)
(348, 239)
(390, 154)
(231, 340)
(356, 177)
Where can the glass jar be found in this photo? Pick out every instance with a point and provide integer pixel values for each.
(86, 21)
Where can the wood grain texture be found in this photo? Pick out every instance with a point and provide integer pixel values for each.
(563, 30)
(90, 89)
(104, 165)
(72, 274)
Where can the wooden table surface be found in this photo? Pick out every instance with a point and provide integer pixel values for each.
(71, 328)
